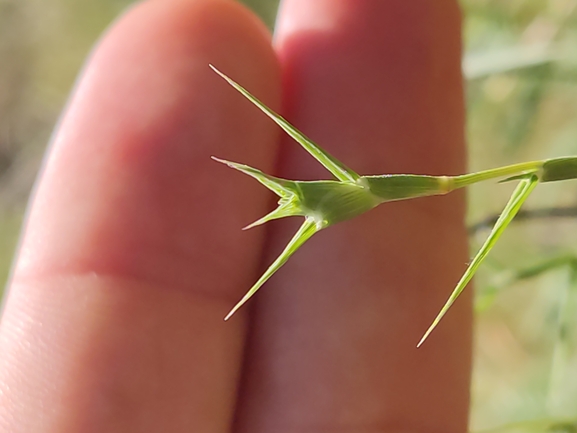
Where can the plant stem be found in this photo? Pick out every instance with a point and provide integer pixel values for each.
(515, 169)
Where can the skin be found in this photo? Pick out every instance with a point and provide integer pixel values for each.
(132, 252)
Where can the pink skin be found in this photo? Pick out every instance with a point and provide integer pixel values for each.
(133, 253)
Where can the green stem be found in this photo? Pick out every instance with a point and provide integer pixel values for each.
(509, 170)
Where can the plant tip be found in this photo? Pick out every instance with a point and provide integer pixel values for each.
(231, 312)
(423, 338)
(222, 161)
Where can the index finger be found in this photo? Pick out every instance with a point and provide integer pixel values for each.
(378, 84)
(133, 250)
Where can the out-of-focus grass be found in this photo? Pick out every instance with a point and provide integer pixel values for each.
(524, 370)
(9, 228)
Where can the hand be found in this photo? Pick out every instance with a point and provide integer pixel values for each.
(132, 253)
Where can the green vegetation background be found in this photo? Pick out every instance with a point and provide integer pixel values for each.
(526, 362)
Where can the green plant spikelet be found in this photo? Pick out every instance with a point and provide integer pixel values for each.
(326, 202)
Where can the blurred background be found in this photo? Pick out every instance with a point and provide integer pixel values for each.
(521, 70)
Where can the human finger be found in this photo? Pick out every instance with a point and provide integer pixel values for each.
(132, 253)
(333, 340)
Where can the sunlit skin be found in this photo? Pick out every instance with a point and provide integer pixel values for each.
(132, 252)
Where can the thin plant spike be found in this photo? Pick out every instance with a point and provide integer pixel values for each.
(519, 196)
(282, 187)
(307, 229)
(337, 168)
(275, 214)
(271, 182)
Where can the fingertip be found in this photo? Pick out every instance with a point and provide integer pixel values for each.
(146, 116)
